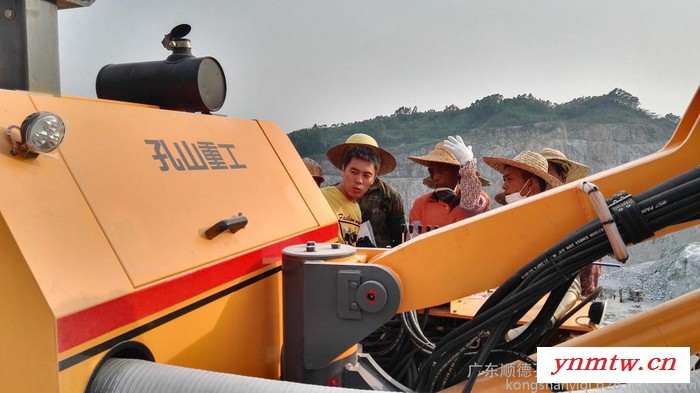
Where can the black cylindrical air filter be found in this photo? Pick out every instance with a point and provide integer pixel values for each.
(184, 83)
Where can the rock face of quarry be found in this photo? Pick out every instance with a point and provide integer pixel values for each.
(658, 281)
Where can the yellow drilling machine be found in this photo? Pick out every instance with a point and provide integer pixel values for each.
(143, 250)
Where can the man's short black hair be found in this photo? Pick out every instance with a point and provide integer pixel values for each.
(363, 152)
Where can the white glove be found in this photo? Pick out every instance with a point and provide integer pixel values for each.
(456, 146)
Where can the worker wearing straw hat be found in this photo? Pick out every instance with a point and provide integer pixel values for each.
(315, 170)
(568, 171)
(523, 176)
(449, 163)
(359, 159)
(381, 205)
(563, 168)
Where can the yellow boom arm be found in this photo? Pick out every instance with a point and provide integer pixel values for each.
(456, 258)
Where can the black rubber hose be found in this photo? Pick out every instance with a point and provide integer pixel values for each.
(531, 336)
(673, 182)
(527, 297)
(485, 351)
(685, 190)
(476, 325)
(569, 314)
(672, 202)
(528, 269)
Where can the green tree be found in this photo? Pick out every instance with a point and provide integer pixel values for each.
(622, 97)
(404, 110)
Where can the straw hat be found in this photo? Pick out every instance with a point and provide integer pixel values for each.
(314, 169)
(528, 161)
(335, 154)
(574, 170)
(439, 154)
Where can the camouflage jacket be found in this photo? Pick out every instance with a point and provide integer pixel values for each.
(383, 207)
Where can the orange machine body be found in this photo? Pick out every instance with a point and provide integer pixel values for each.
(104, 252)
(104, 242)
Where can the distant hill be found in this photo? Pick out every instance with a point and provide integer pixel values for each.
(408, 127)
(601, 132)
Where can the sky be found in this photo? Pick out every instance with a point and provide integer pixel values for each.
(304, 62)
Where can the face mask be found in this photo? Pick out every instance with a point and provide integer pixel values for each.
(516, 196)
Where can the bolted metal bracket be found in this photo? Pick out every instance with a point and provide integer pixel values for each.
(348, 282)
(329, 307)
(343, 303)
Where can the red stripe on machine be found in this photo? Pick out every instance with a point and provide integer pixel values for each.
(93, 322)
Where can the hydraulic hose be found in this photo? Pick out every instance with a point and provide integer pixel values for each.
(416, 335)
(570, 313)
(558, 303)
(637, 218)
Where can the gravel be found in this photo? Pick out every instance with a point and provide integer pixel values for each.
(659, 281)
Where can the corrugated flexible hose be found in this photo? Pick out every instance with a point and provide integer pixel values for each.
(140, 376)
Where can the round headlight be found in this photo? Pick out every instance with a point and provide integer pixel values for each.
(42, 132)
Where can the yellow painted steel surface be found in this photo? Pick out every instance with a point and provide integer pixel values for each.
(483, 251)
(26, 327)
(156, 180)
(101, 245)
(53, 224)
(239, 333)
(671, 324)
(468, 306)
(104, 242)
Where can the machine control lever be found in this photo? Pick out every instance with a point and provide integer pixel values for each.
(231, 224)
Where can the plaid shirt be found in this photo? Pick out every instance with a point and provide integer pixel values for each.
(382, 206)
